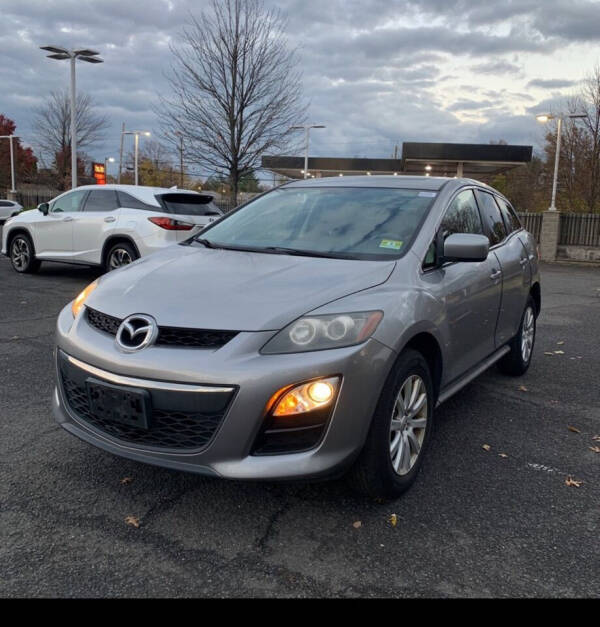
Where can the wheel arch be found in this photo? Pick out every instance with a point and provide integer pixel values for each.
(117, 239)
(18, 230)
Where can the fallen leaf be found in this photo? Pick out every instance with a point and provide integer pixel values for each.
(559, 352)
(596, 438)
(126, 480)
(357, 524)
(548, 353)
(560, 343)
(133, 521)
(573, 482)
(522, 388)
(596, 449)
(486, 447)
(573, 429)
(502, 455)
(393, 520)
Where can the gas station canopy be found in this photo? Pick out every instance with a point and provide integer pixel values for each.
(470, 160)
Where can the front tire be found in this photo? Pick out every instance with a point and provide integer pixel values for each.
(22, 254)
(517, 361)
(121, 254)
(400, 431)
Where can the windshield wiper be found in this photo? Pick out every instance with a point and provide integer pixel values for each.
(307, 253)
(206, 242)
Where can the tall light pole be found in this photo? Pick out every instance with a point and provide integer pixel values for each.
(107, 160)
(306, 128)
(545, 117)
(136, 144)
(12, 162)
(84, 54)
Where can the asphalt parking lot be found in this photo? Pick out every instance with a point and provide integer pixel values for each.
(497, 522)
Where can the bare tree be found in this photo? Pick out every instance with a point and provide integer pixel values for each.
(590, 101)
(236, 89)
(52, 124)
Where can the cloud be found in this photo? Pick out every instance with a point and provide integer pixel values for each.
(552, 83)
(376, 73)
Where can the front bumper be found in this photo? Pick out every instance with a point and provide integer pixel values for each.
(254, 377)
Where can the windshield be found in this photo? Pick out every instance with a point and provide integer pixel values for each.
(346, 222)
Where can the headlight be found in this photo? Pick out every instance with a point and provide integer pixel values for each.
(314, 333)
(83, 296)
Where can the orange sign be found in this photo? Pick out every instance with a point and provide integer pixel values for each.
(99, 173)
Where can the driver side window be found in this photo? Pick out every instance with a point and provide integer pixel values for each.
(462, 216)
(69, 202)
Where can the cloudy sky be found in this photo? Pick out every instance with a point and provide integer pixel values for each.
(376, 72)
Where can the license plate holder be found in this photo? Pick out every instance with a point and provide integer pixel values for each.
(124, 405)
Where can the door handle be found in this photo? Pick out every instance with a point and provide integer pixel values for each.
(110, 219)
(496, 274)
(67, 219)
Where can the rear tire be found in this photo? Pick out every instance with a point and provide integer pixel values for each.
(119, 255)
(517, 361)
(22, 254)
(400, 431)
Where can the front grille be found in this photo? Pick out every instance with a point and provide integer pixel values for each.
(178, 420)
(103, 322)
(167, 336)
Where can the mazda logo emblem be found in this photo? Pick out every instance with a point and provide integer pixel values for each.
(136, 332)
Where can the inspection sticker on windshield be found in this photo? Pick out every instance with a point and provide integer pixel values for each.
(394, 244)
(427, 194)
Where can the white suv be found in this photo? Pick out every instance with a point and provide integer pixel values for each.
(108, 225)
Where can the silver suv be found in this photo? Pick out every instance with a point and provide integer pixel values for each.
(310, 332)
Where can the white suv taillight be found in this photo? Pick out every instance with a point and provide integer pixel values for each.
(171, 225)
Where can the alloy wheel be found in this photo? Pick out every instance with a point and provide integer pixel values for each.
(119, 257)
(20, 253)
(527, 334)
(409, 421)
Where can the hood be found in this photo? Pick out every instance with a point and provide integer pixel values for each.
(189, 286)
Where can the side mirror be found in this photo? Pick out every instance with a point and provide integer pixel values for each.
(44, 207)
(466, 247)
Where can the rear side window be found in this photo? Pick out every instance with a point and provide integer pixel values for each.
(493, 217)
(508, 213)
(5, 203)
(131, 202)
(462, 215)
(188, 204)
(101, 200)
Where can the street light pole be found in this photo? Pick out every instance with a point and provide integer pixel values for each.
(73, 128)
(545, 117)
(84, 54)
(136, 143)
(556, 158)
(307, 128)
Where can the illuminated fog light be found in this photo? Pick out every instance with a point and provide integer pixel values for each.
(305, 397)
(320, 392)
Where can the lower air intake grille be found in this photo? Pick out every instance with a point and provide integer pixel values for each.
(177, 420)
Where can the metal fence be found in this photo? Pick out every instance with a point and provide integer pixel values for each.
(533, 223)
(579, 229)
(33, 197)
